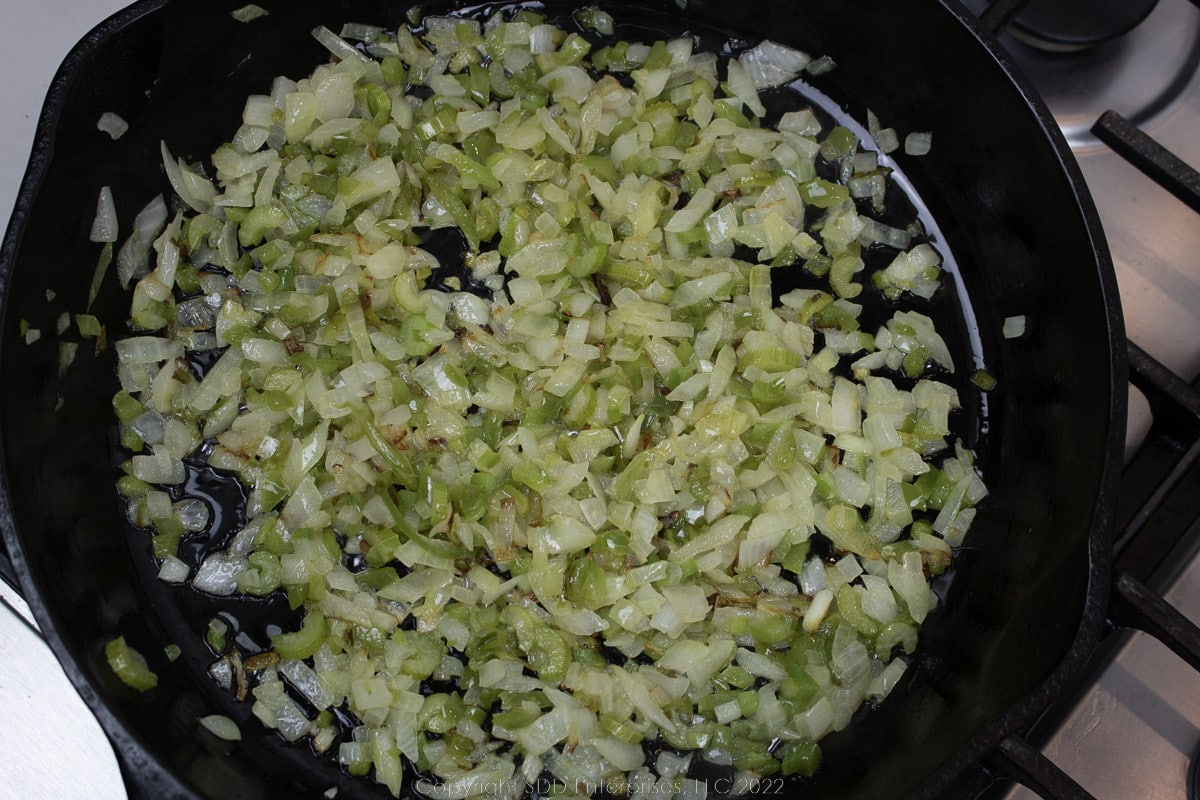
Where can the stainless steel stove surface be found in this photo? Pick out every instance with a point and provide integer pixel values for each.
(1131, 732)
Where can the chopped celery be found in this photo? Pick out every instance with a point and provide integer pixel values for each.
(129, 665)
(89, 326)
(304, 642)
(801, 758)
(536, 356)
(984, 380)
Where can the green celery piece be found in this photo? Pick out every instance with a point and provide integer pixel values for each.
(549, 654)
(800, 758)
(304, 642)
(849, 603)
(102, 265)
(467, 167)
(129, 665)
(450, 199)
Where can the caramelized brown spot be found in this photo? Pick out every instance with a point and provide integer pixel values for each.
(605, 295)
(674, 178)
(261, 661)
(535, 509)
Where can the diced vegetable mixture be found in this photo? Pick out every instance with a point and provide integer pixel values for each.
(538, 353)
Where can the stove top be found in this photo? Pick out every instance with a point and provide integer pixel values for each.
(1133, 728)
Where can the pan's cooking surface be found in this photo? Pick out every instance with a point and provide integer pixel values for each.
(962, 196)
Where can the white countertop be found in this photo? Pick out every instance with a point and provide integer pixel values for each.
(53, 747)
(38, 36)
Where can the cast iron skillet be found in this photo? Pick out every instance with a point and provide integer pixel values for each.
(1017, 621)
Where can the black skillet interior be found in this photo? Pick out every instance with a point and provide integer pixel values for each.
(1025, 603)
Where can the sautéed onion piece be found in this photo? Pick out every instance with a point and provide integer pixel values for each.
(587, 478)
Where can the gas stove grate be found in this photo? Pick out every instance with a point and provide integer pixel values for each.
(1150, 157)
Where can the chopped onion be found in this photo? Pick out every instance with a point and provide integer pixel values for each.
(249, 13)
(772, 64)
(192, 188)
(918, 144)
(816, 612)
(193, 514)
(112, 124)
(221, 726)
(221, 672)
(104, 226)
(541, 39)
(173, 570)
(216, 574)
(588, 425)
(877, 233)
(132, 258)
(597, 19)
(821, 65)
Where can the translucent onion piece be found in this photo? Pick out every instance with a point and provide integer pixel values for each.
(222, 727)
(104, 226)
(112, 124)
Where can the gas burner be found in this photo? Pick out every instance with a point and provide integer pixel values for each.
(1145, 75)
(1071, 25)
